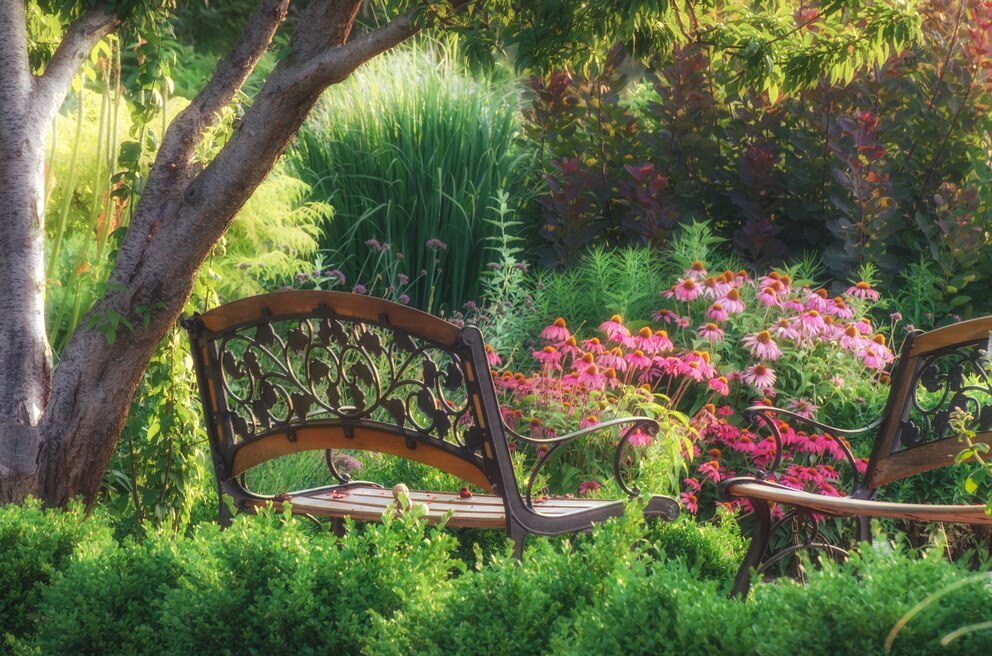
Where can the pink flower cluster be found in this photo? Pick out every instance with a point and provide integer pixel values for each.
(810, 461)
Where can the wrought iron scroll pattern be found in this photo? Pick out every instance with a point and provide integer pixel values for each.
(946, 381)
(288, 373)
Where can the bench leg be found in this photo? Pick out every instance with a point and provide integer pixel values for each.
(864, 528)
(518, 534)
(759, 543)
(337, 526)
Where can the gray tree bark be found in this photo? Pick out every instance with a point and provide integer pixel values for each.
(58, 431)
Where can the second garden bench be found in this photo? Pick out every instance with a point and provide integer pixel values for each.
(300, 371)
(938, 372)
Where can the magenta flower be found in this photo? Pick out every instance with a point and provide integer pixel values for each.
(839, 308)
(687, 289)
(666, 315)
(762, 345)
(760, 376)
(696, 272)
(593, 346)
(863, 290)
(717, 312)
(640, 438)
(592, 377)
(589, 421)
(714, 288)
(803, 408)
(811, 322)
(638, 359)
(663, 343)
(588, 487)
(492, 358)
(613, 359)
(549, 357)
(614, 329)
(732, 302)
(768, 297)
(690, 502)
(817, 300)
(557, 332)
(711, 332)
(719, 385)
(784, 329)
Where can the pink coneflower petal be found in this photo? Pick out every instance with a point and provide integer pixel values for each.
(717, 312)
(695, 272)
(557, 332)
(863, 290)
(760, 376)
(711, 332)
(492, 358)
(762, 345)
(719, 385)
(732, 302)
(687, 290)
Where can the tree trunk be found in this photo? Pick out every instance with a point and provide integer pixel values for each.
(24, 347)
(58, 433)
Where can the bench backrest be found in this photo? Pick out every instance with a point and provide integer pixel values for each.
(295, 371)
(938, 371)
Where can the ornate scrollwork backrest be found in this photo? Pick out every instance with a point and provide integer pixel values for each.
(943, 381)
(281, 374)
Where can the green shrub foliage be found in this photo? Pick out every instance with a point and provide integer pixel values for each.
(271, 584)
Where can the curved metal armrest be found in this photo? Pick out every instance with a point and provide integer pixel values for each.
(763, 410)
(765, 414)
(646, 424)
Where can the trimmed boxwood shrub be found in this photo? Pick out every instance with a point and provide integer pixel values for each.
(271, 584)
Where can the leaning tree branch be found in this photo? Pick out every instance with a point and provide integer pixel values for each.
(335, 64)
(81, 37)
(187, 129)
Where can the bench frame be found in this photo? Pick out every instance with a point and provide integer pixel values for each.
(911, 437)
(335, 339)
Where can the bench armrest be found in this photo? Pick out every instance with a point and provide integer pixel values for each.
(644, 424)
(766, 414)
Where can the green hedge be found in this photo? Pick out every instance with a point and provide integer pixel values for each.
(271, 584)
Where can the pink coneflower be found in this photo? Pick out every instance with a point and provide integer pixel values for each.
(802, 407)
(839, 308)
(686, 289)
(784, 329)
(876, 354)
(712, 288)
(811, 322)
(711, 332)
(697, 271)
(665, 315)
(837, 381)
(613, 358)
(662, 341)
(592, 377)
(588, 487)
(769, 297)
(549, 357)
(732, 302)
(640, 438)
(644, 341)
(690, 502)
(492, 358)
(696, 365)
(863, 290)
(638, 359)
(816, 300)
(792, 305)
(851, 338)
(760, 376)
(864, 326)
(762, 345)
(557, 332)
(614, 329)
(571, 347)
(719, 385)
(593, 346)
(717, 312)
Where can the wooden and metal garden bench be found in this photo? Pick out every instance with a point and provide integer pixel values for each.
(313, 370)
(937, 372)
